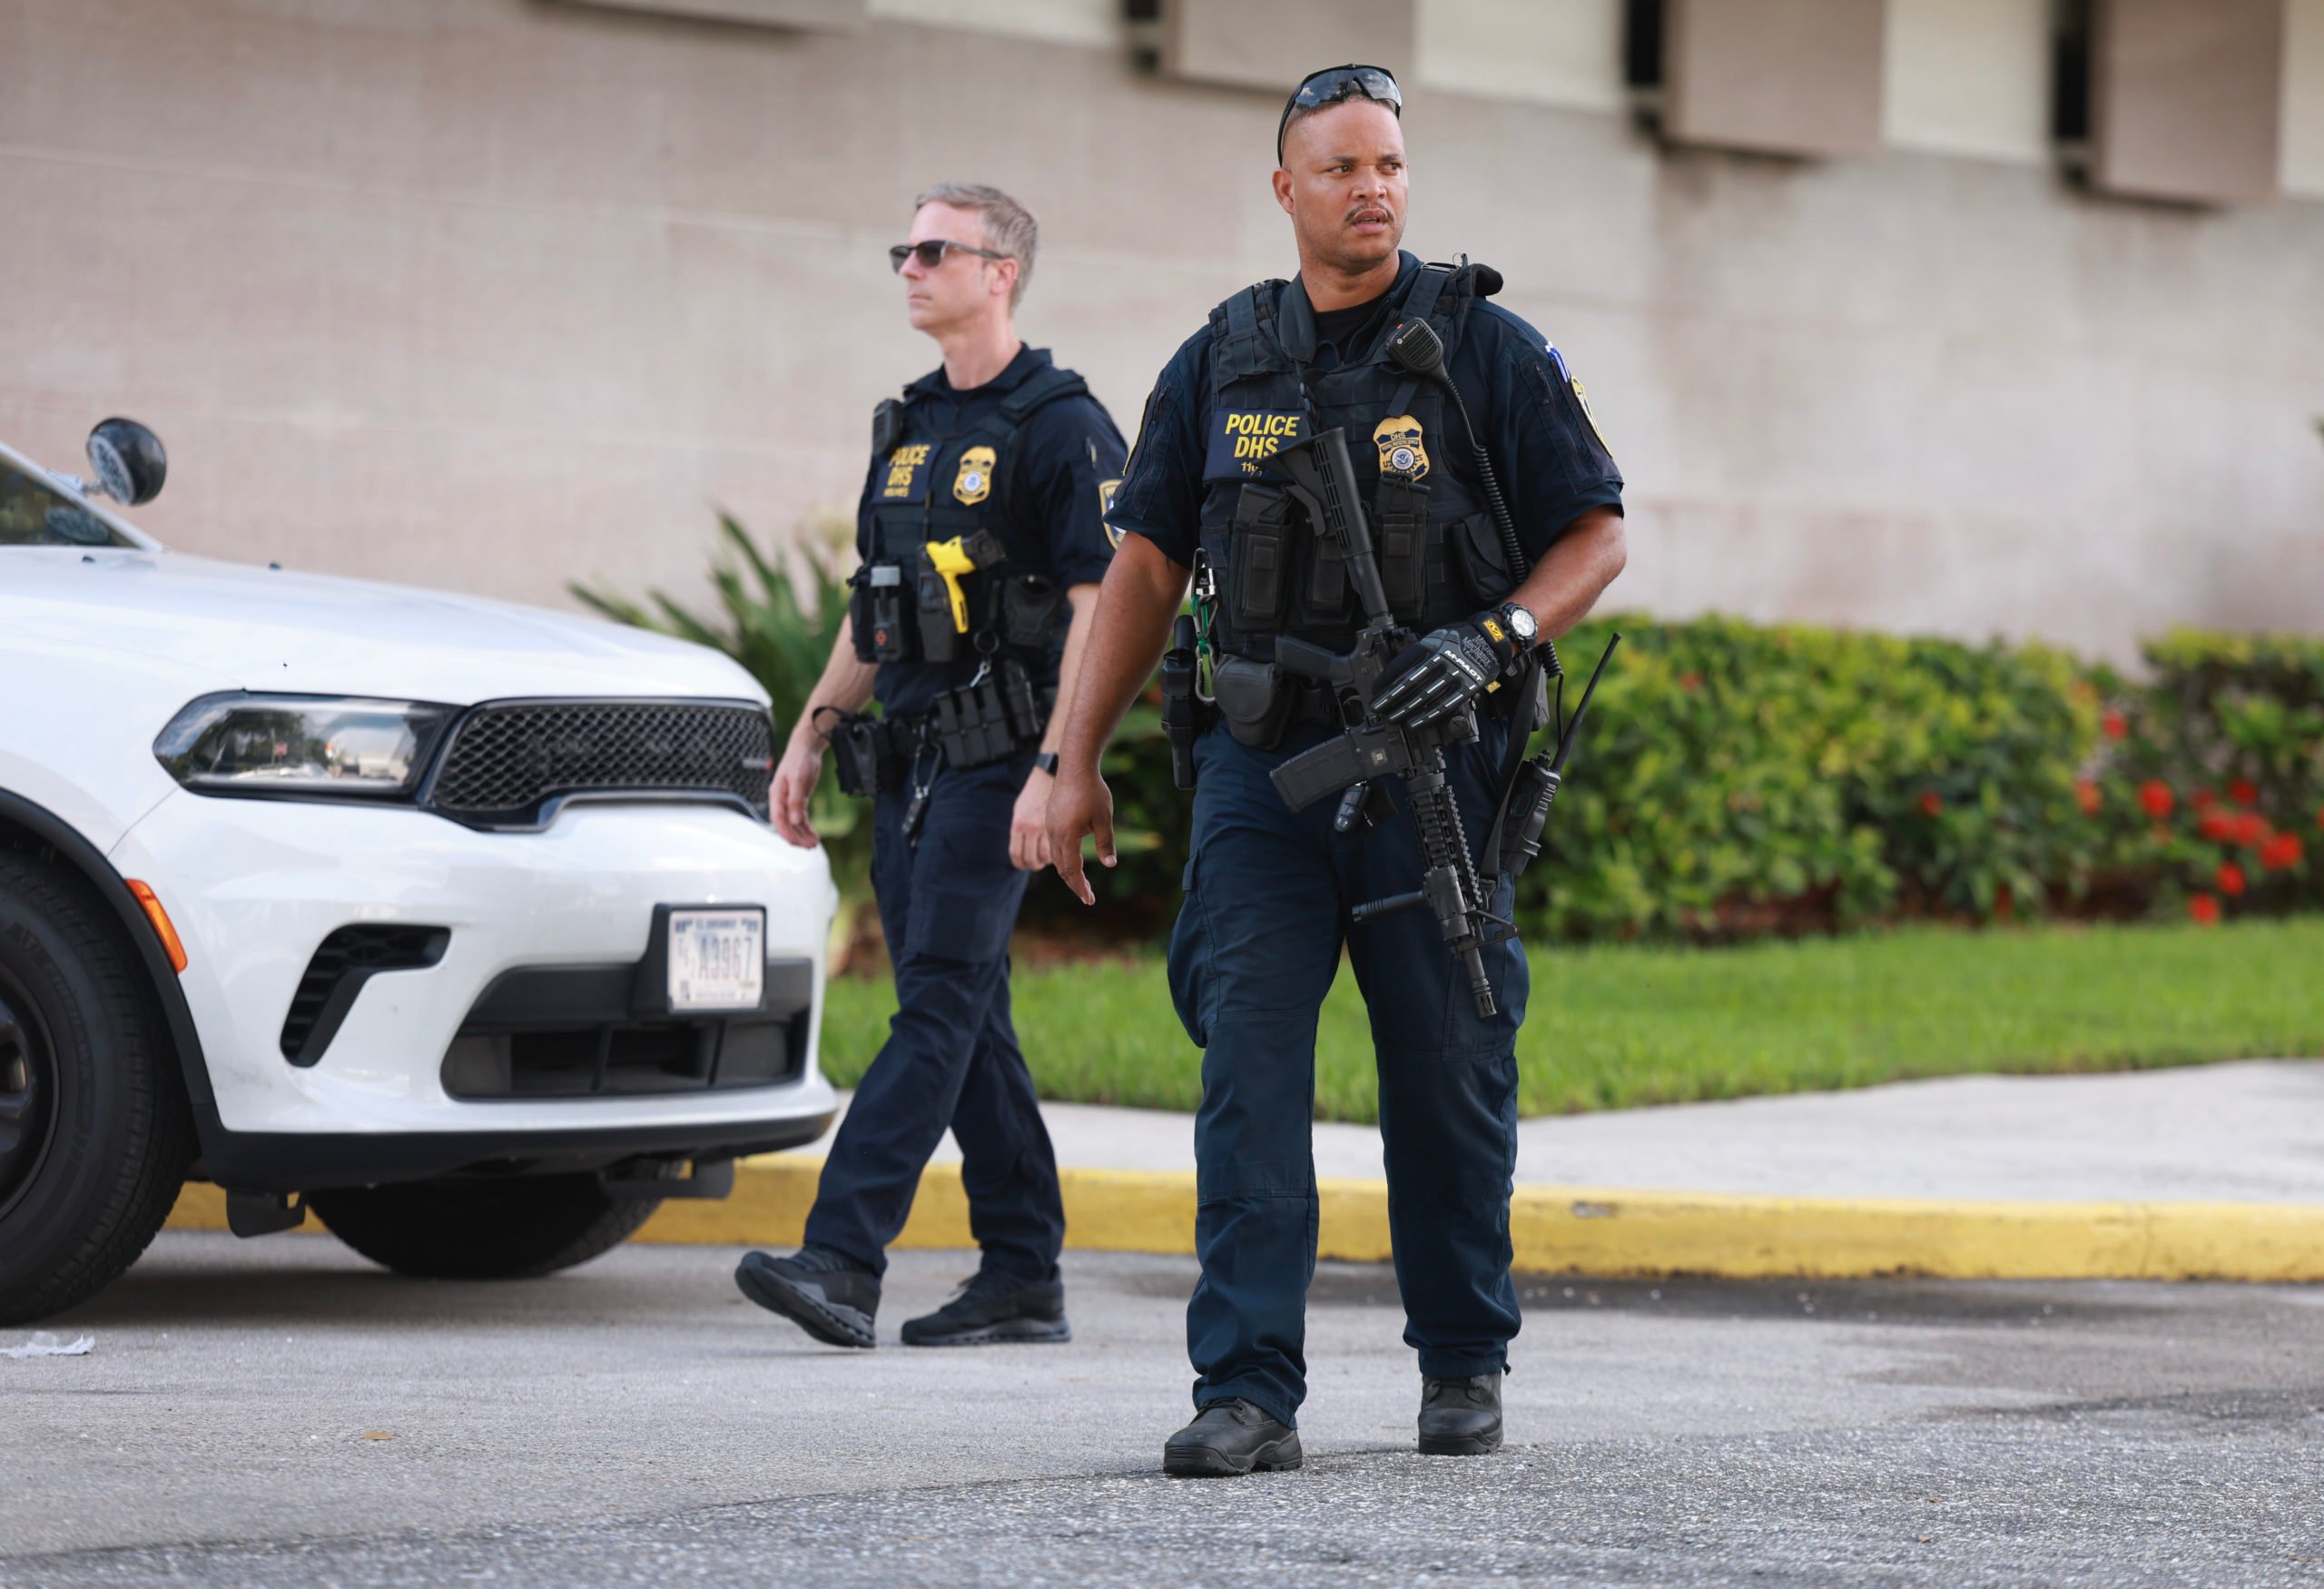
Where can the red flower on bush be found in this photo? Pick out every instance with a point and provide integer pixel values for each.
(2217, 827)
(2085, 794)
(2250, 829)
(1690, 682)
(2204, 800)
(2230, 879)
(2242, 792)
(2281, 851)
(2204, 908)
(1932, 803)
(2154, 794)
(2113, 726)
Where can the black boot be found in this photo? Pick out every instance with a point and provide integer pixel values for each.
(1460, 1417)
(1227, 1438)
(994, 1306)
(827, 1294)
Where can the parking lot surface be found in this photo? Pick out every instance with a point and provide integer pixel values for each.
(280, 1412)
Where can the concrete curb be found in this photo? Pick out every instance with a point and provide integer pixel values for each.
(1587, 1231)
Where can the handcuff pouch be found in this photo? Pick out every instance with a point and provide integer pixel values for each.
(1033, 612)
(1253, 697)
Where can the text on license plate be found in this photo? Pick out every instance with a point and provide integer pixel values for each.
(717, 959)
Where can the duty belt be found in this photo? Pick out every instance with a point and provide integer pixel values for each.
(985, 721)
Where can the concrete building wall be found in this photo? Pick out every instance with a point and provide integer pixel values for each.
(2303, 118)
(1969, 77)
(496, 293)
(1549, 52)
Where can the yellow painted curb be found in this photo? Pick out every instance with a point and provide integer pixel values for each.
(1585, 1231)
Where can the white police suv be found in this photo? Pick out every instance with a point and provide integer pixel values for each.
(459, 924)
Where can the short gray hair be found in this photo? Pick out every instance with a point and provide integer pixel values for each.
(1008, 227)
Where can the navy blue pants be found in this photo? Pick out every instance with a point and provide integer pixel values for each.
(1255, 951)
(951, 1055)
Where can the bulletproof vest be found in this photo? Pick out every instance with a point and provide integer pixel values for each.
(936, 504)
(1440, 555)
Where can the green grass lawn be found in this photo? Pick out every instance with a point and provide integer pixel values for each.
(1614, 1028)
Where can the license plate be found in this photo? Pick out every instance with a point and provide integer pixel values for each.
(717, 959)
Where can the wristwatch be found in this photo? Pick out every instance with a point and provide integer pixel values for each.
(1521, 625)
(1046, 762)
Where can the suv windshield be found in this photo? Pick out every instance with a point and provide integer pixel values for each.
(34, 512)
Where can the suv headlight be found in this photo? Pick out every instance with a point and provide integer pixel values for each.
(304, 747)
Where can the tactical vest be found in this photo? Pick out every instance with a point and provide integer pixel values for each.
(932, 488)
(1440, 555)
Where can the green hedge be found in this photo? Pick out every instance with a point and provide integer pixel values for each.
(1735, 778)
(1740, 779)
(1748, 779)
(2209, 795)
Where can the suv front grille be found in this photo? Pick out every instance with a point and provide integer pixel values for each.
(509, 760)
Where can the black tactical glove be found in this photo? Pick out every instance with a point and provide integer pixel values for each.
(1441, 673)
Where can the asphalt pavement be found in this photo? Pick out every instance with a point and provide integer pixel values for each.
(279, 1412)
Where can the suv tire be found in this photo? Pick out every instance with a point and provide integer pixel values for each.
(96, 1134)
(480, 1228)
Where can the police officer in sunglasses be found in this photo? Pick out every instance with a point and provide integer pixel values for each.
(1270, 891)
(983, 538)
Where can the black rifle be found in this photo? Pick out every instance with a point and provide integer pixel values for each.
(1323, 481)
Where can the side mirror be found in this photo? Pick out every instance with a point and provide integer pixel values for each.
(128, 461)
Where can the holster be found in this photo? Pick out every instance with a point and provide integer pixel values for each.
(870, 754)
(1185, 714)
(941, 637)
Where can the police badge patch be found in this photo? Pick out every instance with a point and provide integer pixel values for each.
(1573, 383)
(973, 484)
(1401, 455)
(1105, 493)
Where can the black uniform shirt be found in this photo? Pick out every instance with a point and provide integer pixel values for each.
(1050, 494)
(1550, 461)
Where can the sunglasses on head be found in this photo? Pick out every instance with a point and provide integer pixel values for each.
(932, 252)
(1335, 83)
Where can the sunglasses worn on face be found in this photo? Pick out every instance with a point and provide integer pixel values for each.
(932, 252)
(1335, 83)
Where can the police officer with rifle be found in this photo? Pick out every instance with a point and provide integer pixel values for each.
(1384, 489)
(983, 538)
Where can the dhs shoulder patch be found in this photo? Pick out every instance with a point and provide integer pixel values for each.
(1580, 398)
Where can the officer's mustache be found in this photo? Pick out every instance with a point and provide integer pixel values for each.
(1364, 213)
